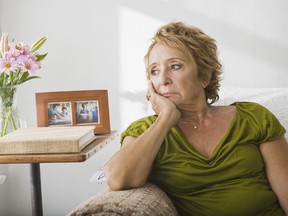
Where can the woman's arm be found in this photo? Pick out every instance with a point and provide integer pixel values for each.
(275, 156)
(131, 165)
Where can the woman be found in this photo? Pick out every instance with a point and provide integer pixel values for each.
(210, 160)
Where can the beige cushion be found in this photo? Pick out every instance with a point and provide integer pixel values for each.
(147, 200)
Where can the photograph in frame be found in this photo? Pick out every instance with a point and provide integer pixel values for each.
(95, 111)
(59, 113)
(87, 112)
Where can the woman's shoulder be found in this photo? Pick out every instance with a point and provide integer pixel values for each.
(250, 106)
(145, 120)
(261, 118)
(138, 127)
(255, 111)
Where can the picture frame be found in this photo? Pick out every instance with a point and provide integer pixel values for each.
(69, 108)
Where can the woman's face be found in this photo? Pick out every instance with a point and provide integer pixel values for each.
(175, 75)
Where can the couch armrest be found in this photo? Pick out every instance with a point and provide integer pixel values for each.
(146, 200)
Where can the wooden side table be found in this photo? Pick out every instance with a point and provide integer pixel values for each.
(35, 159)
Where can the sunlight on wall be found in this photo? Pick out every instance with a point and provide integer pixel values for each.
(251, 38)
(134, 38)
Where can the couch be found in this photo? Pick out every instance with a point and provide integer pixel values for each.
(147, 200)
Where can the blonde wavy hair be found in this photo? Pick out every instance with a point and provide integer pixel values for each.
(193, 42)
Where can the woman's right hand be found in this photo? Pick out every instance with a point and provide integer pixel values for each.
(132, 164)
(162, 105)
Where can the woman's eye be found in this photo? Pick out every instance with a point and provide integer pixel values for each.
(153, 71)
(175, 66)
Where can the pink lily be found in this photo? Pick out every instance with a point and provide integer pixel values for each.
(29, 65)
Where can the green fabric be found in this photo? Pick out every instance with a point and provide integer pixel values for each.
(232, 181)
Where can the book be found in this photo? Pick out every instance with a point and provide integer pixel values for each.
(47, 140)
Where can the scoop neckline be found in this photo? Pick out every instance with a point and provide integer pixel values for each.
(219, 145)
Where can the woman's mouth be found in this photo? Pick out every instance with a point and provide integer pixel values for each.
(167, 94)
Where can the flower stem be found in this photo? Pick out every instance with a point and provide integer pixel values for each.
(7, 112)
(5, 126)
(12, 120)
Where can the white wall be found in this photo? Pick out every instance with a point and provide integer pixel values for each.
(100, 45)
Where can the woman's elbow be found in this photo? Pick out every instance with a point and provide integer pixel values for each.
(120, 181)
(115, 185)
(113, 182)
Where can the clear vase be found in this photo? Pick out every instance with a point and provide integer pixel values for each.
(10, 117)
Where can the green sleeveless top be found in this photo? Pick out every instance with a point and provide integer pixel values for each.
(232, 182)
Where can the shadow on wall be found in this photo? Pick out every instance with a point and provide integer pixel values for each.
(138, 97)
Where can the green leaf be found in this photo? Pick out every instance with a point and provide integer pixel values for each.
(40, 57)
(24, 75)
(31, 77)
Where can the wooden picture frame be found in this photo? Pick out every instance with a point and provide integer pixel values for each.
(69, 108)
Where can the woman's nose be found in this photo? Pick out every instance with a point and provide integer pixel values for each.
(164, 78)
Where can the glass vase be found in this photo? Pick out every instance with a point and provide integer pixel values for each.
(10, 117)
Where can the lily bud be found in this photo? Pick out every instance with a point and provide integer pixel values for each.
(4, 43)
(37, 44)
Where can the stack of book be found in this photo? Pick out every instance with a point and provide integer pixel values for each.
(47, 140)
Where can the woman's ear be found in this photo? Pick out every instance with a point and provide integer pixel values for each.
(206, 77)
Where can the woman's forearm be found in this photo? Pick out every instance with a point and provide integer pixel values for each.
(131, 165)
